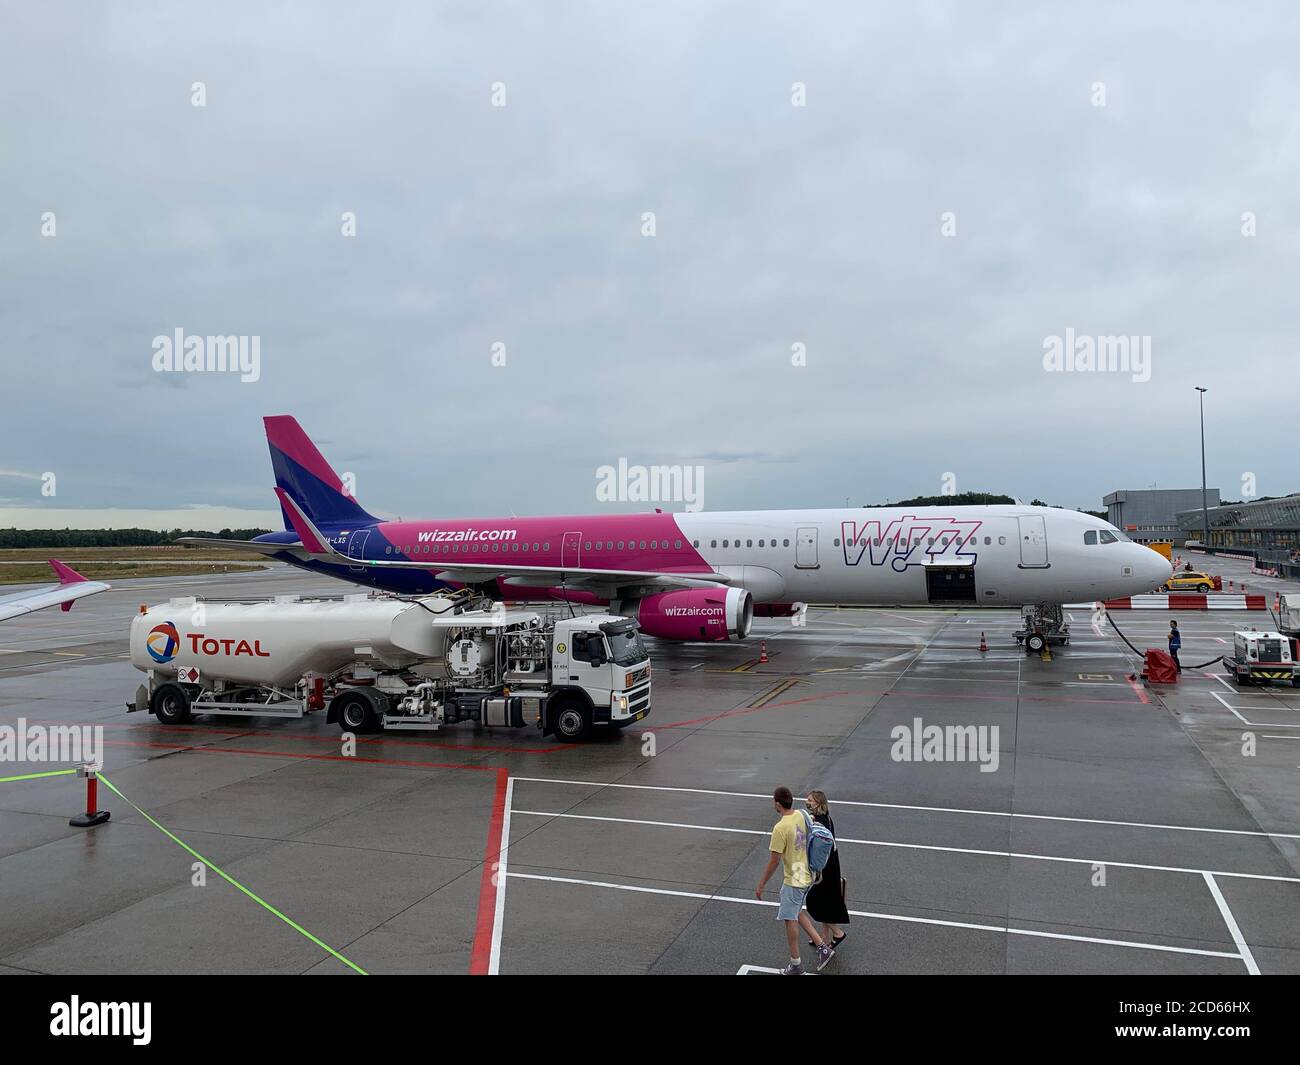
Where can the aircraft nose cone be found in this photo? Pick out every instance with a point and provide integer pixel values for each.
(1157, 569)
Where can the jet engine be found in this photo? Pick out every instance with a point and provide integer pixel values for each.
(696, 615)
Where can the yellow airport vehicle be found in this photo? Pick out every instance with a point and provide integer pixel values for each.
(1193, 581)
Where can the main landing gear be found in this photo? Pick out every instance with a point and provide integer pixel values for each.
(1043, 624)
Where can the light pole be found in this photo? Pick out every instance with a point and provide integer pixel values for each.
(1205, 510)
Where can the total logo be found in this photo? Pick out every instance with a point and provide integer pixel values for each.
(163, 643)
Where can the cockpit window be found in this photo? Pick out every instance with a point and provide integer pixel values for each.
(1090, 537)
(1108, 537)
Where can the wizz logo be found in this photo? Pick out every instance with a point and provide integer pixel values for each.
(908, 541)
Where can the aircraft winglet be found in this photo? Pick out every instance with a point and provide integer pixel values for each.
(66, 574)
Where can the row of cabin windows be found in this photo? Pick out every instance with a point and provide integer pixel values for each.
(609, 545)
(748, 543)
(590, 545)
(454, 549)
(943, 541)
(662, 545)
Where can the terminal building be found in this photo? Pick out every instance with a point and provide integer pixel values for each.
(1151, 514)
(1267, 529)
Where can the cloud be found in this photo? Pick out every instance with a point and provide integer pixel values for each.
(775, 226)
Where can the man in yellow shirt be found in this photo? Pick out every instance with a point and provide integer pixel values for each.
(789, 847)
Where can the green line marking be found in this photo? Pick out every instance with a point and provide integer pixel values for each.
(231, 880)
(34, 776)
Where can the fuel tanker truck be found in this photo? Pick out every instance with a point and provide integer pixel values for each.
(376, 662)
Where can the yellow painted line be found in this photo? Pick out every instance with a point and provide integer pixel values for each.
(780, 689)
(745, 667)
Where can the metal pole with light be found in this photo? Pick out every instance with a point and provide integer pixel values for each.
(1205, 510)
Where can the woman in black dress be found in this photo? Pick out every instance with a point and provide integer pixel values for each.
(825, 901)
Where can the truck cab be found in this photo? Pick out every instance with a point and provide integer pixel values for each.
(600, 676)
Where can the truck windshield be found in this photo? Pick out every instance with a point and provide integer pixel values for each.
(626, 647)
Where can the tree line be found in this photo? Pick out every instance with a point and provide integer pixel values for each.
(15, 538)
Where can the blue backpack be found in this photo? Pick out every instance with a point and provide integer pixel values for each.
(820, 843)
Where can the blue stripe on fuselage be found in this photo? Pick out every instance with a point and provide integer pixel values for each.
(401, 581)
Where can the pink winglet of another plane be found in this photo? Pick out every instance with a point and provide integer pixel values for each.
(71, 587)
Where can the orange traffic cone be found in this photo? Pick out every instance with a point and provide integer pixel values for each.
(984, 644)
(762, 652)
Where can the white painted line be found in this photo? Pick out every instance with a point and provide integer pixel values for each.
(880, 916)
(925, 809)
(499, 916)
(920, 847)
(1231, 922)
(1253, 724)
(750, 970)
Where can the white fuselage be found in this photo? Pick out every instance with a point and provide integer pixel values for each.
(1002, 554)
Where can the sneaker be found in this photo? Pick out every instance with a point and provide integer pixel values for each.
(834, 942)
(824, 955)
(793, 969)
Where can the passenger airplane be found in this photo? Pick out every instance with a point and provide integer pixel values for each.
(71, 587)
(703, 576)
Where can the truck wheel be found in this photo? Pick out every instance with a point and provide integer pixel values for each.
(1035, 642)
(572, 722)
(170, 705)
(356, 713)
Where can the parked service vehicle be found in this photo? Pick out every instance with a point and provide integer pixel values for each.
(382, 662)
(1288, 616)
(1193, 581)
(1268, 657)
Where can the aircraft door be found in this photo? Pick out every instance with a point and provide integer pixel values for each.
(357, 548)
(805, 548)
(1033, 542)
(571, 550)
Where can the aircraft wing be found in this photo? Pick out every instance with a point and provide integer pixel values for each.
(316, 544)
(71, 587)
(244, 545)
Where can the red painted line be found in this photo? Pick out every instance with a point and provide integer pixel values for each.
(381, 741)
(1141, 694)
(1003, 698)
(481, 953)
(298, 754)
(231, 733)
(744, 710)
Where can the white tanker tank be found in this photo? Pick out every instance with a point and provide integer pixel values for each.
(276, 642)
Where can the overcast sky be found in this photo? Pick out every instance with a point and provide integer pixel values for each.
(775, 225)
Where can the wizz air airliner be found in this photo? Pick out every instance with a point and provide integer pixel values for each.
(703, 576)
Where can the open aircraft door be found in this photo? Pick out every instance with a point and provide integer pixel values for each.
(1033, 542)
